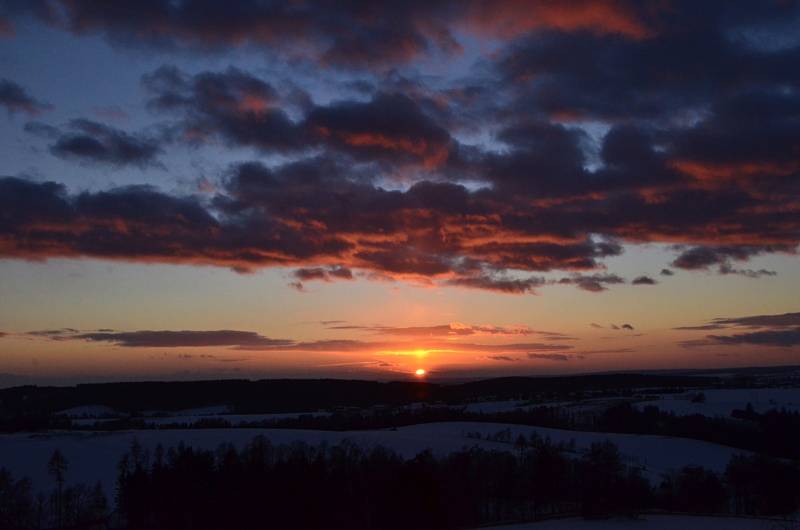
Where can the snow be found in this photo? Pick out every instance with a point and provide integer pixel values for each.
(192, 416)
(89, 411)
(94, 456)
(493, 407)
(650, 522)
(233, 419)
(722, 402)
(200, 411)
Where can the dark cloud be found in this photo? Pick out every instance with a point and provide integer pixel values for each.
(606, 351)
(593, 125)
(666, 272)
(234, 105)
(703, 257)
(55, 334)
(627, 326)
(6, 28)
(589, 76)
(141, 224)
(781, 320)
(93, 142)
(499, 284)
(453, 330)
(352, 34)
(253, 341)
(703, 327)
(389, 126)
(771, 330)
(726, 268)
(549, 356)
(643, 280)
(246, 111)
(184, 339)
(784, 338)
(505, 358)
(16, 99)
(593, 283)
(323, 273)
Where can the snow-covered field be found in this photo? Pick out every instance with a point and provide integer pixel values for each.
(654, 522)
(721, 402)
(94, 457)
(188, 419)
(89, 411)
(492, 407)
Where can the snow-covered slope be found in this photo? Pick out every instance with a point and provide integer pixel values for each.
(652, 522)
(721, 402)
(89, 411)
(94, 456)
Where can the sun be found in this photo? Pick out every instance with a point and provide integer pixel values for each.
(420, 372)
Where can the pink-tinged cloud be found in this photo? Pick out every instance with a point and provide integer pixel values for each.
(513, 18)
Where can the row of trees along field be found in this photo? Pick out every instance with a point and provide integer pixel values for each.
(344, 486)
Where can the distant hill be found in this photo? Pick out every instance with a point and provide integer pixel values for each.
(301, 395)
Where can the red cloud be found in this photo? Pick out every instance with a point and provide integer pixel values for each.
(512, 18)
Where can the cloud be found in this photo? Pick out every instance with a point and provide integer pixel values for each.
(592, 127)
(779, 320)
(454, 329)
(518, 18)
(436, 342)
(55, 334)
(606, 351)
(6, 28)
(183, 339)
(703, 327)
(780, 330)
(407, 347)
(752, 321)
(389, 126)
(16, 99)
(616, 327)
(505, 358)
(325, 274)
(643, 280)
(703, 257)
(352, 35)
(93, 142)
(550, 356)
(725, 268)
(784, 338)
(233, 105)
(666, 272)
(594, 283)
(499, 284)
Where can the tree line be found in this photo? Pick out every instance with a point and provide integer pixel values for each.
(345, 486)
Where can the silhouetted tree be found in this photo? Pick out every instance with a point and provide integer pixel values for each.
(16, 503)
(57, 467)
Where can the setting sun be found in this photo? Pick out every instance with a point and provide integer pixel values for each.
(420, 372)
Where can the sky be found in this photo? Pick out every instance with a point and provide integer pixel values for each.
(253, 189)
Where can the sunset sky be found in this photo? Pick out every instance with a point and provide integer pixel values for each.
(196, 189)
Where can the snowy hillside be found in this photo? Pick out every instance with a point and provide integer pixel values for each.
(94, 456)
(652, 522)
(721, 402)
